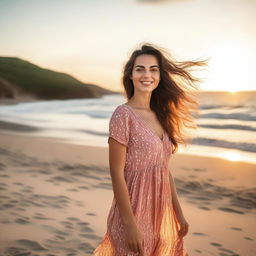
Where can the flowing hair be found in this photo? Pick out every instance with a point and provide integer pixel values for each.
(172, 100)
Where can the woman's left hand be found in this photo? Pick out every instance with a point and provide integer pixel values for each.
(183, 226)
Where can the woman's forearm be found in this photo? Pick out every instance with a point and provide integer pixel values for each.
(175, 201)
(122, 199)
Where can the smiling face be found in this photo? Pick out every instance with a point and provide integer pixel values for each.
(145, 73)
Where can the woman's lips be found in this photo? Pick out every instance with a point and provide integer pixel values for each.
(146, 82)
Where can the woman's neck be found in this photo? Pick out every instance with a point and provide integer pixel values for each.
(140, 102)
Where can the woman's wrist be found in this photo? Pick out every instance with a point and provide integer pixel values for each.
(177, 209)
(128, 221)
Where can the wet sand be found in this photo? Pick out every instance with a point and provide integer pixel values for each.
(55, 199)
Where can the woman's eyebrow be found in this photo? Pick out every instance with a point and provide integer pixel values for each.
(141, 66)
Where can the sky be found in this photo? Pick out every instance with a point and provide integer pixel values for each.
(92, 39)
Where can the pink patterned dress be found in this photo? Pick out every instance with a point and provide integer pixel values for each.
(147, 177)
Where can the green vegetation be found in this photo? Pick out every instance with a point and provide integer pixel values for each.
(18, 76)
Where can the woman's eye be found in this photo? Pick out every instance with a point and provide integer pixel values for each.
(154, 70)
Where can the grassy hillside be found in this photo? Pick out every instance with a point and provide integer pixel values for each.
(18, 76)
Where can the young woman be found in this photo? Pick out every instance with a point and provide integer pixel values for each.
(145, 217)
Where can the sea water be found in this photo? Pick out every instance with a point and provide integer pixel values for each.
(226, 122)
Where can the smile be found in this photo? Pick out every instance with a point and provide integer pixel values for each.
(147, 82)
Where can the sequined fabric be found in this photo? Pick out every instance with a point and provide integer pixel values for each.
(147, 177)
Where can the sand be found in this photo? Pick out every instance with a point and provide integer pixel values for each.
(55, 198)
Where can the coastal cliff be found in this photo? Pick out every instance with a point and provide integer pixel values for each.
(20, 79)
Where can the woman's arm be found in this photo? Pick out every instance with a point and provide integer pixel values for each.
(175, 201)
(117, 157)
(184, 226)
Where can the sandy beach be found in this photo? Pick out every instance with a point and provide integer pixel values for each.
(55, 199)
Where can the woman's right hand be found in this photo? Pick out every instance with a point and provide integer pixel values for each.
(134, 239)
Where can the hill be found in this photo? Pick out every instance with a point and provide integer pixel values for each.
(21, 78)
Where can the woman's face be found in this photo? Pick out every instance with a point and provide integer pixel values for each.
(145, 73)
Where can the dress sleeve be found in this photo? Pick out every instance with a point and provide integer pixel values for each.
(119, 126)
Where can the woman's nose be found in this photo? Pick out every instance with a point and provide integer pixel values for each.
(146, 73)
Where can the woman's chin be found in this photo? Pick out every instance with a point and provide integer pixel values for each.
(146, 89)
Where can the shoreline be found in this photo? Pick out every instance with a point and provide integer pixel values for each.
(18, 99)
(12, 128)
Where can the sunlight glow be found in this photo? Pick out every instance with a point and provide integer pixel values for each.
(230, 66)
(231, 156)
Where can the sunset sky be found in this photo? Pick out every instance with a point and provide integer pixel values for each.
(91, 40)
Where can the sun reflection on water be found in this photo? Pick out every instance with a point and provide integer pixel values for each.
(231, 156)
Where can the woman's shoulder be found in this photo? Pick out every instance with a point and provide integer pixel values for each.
(121, 109)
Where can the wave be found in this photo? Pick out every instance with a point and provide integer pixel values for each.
(249, 147)
(236, 116)
(210, 106)
(229, 126)
(93, 132)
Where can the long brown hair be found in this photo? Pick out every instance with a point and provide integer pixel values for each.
(172, 100)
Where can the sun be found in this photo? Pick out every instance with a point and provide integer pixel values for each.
(230, 66)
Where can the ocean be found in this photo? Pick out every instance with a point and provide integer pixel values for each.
(226, 123)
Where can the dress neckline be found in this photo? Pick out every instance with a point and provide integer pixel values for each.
(146, 124)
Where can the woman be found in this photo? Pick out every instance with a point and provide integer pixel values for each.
(145, 217)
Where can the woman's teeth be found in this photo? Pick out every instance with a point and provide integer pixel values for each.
(146, 83)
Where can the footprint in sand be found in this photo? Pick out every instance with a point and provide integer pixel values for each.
(200, 169)
(18, 183)
(103, 185)
(3, 187)
(195, 185)
(2, 166)
(199, 234)
(27, 189)
(195, 169)
(73, 189)
(19, 209)
(86, 231)
(32, 245)
(58, 233)
(236, 228)
(73, 218)
(183, 191)
(226, 209)
(204, 208)
(47, 172)
(91, 214)
(7, 205)
(5, 221)
(16, 251)
(80, 203)
(4, 176)
(89, 236)
(24, 220)
(248, 238)
(61, 179)
(40, 216)
(230, 252)
(215, 244)
(67, 224)
(83, 187)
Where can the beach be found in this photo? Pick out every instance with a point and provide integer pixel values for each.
(55, 199)
(66, 67)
